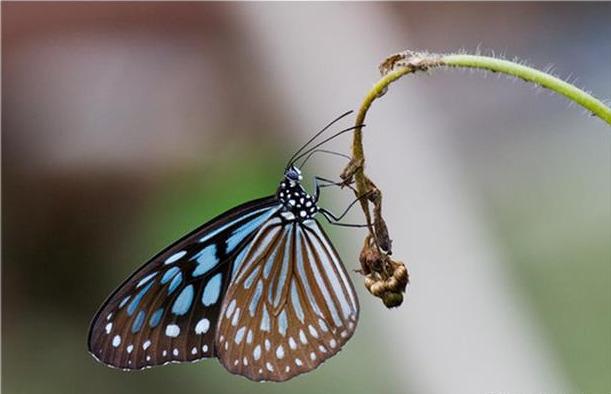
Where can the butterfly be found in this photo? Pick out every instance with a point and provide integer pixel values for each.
(259, 287)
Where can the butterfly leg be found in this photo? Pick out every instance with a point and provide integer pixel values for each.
(327, 183)
(335, 220)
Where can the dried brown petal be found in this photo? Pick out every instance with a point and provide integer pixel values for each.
(377, 289)
(381, 230)
(401, 274)
(392, 284)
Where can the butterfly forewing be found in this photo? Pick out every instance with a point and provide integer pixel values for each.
(168, 309)
(290, 305)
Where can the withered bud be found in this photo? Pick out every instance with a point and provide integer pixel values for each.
(369, 281)
(377, 289)
(390, 62)
(370, 257)
(393, 284)
(401, 274)
(379, 224)
(392, 299)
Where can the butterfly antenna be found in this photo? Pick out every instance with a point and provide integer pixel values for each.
(292, 159)
(326, 140)
(330, 152)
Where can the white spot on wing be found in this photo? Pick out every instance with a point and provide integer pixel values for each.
(236, 316)
(108, 328)
(175, 257)
(240, 335)
(202, 326)
(313, 331)
(280, 352)
(230, 309)
(116, 341)
(172, 330)
(146, 279)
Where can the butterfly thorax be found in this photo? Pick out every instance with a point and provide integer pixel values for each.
(298, 204)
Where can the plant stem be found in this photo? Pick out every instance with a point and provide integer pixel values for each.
(409, 62)
(532, 75)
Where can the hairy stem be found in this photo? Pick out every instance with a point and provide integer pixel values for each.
(409, 62)
(595, 106)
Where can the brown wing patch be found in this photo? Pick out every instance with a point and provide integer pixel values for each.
(290, 306)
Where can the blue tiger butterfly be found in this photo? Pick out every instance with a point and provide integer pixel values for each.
(259, 287)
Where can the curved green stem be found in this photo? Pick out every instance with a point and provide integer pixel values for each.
(409, 62)
(530, 74)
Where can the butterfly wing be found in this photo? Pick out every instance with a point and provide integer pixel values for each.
(168, 309)
(290, 305)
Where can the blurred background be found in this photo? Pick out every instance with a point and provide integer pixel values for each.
(125, 125)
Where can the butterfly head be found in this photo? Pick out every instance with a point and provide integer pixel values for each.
(293, 175)
(298, 204)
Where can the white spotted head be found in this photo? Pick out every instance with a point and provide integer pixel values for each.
(293, 175)
(298, 204)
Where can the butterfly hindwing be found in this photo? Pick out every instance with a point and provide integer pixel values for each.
(167, 311)
(290, 305)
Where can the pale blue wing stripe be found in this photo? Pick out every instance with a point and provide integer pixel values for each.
(296, 302)
(246, 259)
(212, 291)
(283, 272)
(319, 280)
(304, 278)
(322, 244)
(131, 308)
(183, 302)
(236, 220)
(244, 230)
(206, 260)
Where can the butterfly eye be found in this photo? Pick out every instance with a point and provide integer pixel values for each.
(293, 173)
